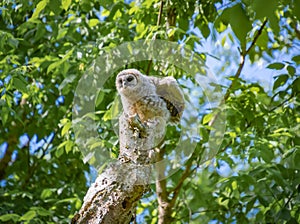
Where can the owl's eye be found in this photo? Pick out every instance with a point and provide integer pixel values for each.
(129, 79)
(120, 81)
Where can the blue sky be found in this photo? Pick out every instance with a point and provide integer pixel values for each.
(256, 72)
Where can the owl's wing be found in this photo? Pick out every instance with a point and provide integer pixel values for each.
(170, 91)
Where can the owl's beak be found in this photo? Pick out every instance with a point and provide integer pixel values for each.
(124, 84)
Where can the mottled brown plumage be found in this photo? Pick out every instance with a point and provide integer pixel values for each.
(149, 97)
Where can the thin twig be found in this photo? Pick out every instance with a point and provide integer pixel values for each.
(282, 103)
(176, 190)
(256, 36)
(160, 13)
(157, 24)
(239, 70)
(242, 63)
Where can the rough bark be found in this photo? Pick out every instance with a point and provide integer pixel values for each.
(114, 195)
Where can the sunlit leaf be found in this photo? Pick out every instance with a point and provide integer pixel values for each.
(93, 22)
(66, 128)
(39, 7)
(66, 4)
(46, 193)
(9, 217)
(58, 62)
(207, 118)
(28, 216)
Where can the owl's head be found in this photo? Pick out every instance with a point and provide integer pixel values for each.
(127, 81)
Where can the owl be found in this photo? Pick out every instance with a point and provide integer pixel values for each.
(147, 97)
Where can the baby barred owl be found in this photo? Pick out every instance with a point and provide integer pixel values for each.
(148, 97)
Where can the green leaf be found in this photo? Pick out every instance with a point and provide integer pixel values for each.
(4, 114)
(97, 144)
(183, 24)
(13, 42)
(295, 158)
(113, 112)
(263, 201)
(291, 70)
(296, 9)
(280, 81)
(66, 4)
(46, 193)
(69, 79)
(58, 62)
(59, 150)
(284, 214)
(205, 30)
(237, 18)
(67, 200)
(55, 7)
(207, 118)
(43, 212)
(274, 23)
(250, 204)
(40, 6)
(93, 22)
(296, 86)
(8, 217)
(20, 84)
(264, 8)
(204, 134)
(276, 65)
(296, 59)
(28, 216)
(69, 146)
(78, 204)
(66, 128)
(223, 41)
(255, 89)
(266, 154)
(263, 40)
(40, 33)
(100, 98)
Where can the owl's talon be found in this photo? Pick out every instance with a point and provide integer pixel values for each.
(137, 125)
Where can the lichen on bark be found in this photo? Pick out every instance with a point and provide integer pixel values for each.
(114, 195)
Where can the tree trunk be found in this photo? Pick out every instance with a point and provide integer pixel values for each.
(114, 195)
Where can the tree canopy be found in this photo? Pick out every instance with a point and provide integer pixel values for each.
(46, 47)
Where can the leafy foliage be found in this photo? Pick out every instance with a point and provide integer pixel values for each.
(45, 47)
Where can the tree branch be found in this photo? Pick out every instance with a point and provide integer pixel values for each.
(185, 175)
(114, 195)
(242, 62)
(239, 70)
(161, 184)
(160, 13)
(161, 191)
